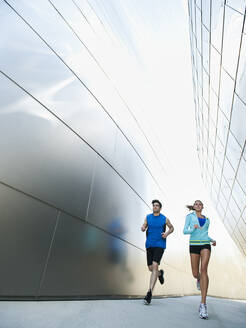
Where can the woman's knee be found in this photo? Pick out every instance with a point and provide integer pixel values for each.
(195, 274)
(150, 268)
(204, 270)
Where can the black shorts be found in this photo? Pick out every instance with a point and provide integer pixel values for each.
(154, 254)
(196, 249)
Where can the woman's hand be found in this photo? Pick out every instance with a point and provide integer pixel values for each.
(196, 226)
(213, 242)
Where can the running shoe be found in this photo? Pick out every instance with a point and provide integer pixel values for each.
(206, 310)
(203, 313)
(147, 298)
(198, 284)
(161, 277)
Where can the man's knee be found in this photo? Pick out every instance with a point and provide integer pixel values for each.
(155, 265)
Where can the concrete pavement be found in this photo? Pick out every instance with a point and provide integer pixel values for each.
(165, 312)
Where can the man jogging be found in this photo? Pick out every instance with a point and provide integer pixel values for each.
(155, 224)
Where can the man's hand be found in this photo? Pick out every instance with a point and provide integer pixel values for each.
(196, 226)
(143, 228)
(170, 230)
(213, 242)
(145, 225)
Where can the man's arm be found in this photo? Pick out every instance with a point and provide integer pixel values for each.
(170, 229)
(145, 225)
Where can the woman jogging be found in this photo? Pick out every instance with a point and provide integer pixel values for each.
(197, 226)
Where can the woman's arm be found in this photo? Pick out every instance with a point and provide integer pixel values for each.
(211, 239)
(187, 227)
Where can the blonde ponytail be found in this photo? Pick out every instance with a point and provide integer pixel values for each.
(190, 207)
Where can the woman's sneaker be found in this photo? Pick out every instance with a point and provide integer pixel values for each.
(161, 277)
(203, 313)
(148, 297)
(198, 284)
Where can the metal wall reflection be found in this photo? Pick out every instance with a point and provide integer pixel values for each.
(218, 46)
(77, 173)
(26, 227)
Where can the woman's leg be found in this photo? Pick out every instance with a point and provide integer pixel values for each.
(195, 260)
(205, 256)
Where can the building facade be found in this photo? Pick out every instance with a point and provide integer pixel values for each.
(218, 51)
(79, 167)
(75, 165)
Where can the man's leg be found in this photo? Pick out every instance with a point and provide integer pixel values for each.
(154, 256)
(157, 255)
(151, 268)
(149, 252)
(154, 274)
(160, 272)
(153, 277)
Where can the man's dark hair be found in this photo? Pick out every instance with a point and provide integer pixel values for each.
(156, 201)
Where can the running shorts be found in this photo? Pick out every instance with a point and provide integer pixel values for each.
(154, 254)
(196, 249)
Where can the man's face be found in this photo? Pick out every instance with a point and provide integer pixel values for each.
(156, 208)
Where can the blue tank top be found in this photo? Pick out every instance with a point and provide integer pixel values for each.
(202, 221)
(156, 225)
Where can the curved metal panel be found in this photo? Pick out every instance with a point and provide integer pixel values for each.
(115, 207)
(41, 155)
(26, 228)
(87, 261)
(46, 77)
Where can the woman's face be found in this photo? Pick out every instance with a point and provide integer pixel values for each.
(198, 206)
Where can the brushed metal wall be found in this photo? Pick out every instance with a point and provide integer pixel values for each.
(76, 172)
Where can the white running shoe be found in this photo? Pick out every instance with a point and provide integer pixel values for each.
(203, 313)
(198, 284)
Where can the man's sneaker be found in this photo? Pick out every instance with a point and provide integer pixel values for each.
(198, 284)
(148, 297)
(203, 313)
(161, 277)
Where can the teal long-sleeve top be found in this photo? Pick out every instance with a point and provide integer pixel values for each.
(198, 236)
